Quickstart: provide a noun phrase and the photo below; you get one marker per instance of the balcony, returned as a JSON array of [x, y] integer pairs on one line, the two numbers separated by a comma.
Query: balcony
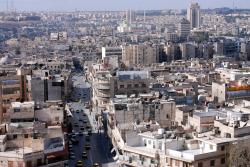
[[102, 86], [103, 95], [136, 163], [53, 164]]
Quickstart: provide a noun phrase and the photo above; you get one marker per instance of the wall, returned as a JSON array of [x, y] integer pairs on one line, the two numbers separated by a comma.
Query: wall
[[219, 92]]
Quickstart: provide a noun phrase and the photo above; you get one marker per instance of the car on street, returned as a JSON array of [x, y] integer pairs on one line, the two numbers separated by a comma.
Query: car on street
[[89, 132], [74, 140], [72, 156], [76, 124], [84, 155], [96, 165], [87, 137], [79, 163], [82, 128], [88, 127], [87, 146]]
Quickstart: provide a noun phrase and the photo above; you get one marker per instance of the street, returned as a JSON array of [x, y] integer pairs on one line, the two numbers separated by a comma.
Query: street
[[83, 124]]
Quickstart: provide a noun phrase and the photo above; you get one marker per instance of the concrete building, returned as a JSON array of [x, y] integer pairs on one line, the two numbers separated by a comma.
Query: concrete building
[[194, 15], [47, 88], [233, 91], [202, 121], [127, 83], [130, 82], [130, 16], [125, 110], [172, 36], [139, 54], [112, 52], [173, 52], [227, 47], [245, 51], [34, 137], [184, 29], [12, 89], [101, 88], [187, 50]]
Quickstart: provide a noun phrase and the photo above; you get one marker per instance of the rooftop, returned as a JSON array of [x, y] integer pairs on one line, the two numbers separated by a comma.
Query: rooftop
[[27, 104], [18, 152]]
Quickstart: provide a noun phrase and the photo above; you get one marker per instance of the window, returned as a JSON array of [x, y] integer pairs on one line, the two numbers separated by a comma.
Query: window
[[222, 148], [121, 86], [222, 160], [129, 85], [149, 141], [200, 164], [136, 85], [20, 164], [39, 162], [29, 163], [160, 145], [177, 163], [211, 147], [212, 163], [26, 135], [57, 119], [14, 136], [10, 163], [16, 109]]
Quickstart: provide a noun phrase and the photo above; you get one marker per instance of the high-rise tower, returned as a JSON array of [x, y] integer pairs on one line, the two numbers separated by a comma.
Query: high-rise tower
[[193, 15], [130, 16]]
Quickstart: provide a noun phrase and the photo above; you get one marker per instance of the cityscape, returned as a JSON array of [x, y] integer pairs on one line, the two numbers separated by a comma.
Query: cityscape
[[125, 88]]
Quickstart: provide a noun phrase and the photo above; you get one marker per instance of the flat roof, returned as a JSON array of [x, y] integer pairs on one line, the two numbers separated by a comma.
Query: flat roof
[[24, 104], [17, 152]]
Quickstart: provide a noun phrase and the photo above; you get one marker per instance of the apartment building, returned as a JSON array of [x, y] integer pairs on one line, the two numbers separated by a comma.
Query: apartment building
[[12, 89], [235, 90], [139, 54], [33, 137]]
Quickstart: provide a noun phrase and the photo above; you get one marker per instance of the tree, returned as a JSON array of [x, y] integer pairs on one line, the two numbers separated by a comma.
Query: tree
[[239, 154]]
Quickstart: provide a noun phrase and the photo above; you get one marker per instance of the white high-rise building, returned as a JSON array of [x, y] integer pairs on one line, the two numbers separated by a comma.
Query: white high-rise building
[[193, 15]]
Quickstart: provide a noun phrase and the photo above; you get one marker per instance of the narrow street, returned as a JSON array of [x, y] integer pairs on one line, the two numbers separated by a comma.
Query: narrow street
[[83, 124]]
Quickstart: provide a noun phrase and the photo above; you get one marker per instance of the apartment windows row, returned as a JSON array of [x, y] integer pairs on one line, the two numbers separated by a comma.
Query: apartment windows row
[[212, 163], [132, 86], [27, 164]]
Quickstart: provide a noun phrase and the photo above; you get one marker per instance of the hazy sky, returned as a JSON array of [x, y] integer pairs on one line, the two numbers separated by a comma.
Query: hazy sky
[[34, 5]]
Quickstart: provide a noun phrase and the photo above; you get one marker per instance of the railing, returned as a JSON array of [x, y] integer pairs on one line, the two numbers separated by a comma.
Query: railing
[[51, 150], [103, 95], [55, 164], [138, 163], [102, 86]]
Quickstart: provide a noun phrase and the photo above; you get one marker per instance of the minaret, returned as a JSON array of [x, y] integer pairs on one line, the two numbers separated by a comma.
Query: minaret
[[7, 6]]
